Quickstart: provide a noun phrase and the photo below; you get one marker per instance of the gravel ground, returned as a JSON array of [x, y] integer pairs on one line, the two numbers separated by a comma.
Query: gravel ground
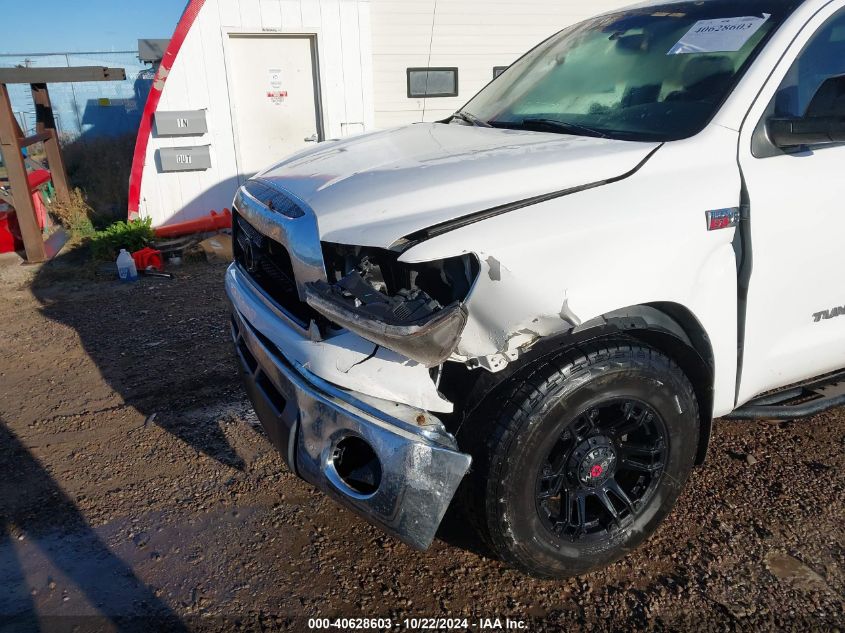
[[138, 491]]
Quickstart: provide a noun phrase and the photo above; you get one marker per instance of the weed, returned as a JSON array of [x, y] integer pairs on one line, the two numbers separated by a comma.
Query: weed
[[133, 236], [75, 215]]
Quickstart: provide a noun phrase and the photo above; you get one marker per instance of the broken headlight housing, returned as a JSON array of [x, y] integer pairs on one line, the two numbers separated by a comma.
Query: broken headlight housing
[[416, 310]]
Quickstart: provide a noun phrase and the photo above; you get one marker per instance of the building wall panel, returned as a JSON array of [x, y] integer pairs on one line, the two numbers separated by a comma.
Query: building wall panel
[[473, 35], [199, 81]]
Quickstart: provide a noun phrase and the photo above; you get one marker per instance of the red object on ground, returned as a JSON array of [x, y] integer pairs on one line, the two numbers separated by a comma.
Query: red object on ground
[[212, 222], [36, 179], [40, 209], [148, 258], [10, 239], [10, 231]]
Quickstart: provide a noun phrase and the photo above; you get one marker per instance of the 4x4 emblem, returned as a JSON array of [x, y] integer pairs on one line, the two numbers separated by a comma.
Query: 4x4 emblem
[[722, 218]]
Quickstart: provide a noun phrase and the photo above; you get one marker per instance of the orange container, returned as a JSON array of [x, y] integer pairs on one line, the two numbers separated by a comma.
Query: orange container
[[148, 258]]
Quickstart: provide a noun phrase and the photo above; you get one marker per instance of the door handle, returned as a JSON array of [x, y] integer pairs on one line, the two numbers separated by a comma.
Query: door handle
[[312, 139]]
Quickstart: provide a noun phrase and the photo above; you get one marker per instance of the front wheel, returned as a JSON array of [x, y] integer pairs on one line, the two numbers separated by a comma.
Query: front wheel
[[584, 456]]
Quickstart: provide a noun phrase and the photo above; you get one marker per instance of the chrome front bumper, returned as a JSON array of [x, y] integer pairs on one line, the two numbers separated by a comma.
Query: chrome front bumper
[[306, 418]]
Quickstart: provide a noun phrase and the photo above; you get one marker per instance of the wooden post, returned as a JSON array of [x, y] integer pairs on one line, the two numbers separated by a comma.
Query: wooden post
[[19, 181], [46, 124]]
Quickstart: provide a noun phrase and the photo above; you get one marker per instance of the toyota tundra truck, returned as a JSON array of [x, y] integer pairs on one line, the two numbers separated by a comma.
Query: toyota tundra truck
[[532, 311]]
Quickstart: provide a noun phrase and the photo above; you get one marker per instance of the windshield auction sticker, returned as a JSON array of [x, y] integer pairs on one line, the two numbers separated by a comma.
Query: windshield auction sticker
[[718, 36]]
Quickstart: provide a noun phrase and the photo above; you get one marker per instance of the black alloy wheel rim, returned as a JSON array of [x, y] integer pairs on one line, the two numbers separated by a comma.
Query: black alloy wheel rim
[[602, 471]]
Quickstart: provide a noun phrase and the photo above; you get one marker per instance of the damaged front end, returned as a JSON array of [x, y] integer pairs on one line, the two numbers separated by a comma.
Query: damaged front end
[[334, 345], [416, 310]]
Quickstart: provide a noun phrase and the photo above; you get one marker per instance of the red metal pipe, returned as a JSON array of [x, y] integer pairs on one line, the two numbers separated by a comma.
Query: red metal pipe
[[212, 222]]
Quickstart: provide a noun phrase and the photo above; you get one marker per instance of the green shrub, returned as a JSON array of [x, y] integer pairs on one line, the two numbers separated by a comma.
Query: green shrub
[[133, 236]]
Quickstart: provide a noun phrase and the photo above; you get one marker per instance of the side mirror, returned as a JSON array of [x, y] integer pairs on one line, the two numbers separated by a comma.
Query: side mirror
[[823, 122]]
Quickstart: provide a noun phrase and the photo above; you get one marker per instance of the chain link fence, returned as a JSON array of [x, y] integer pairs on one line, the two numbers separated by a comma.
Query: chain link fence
[[90, 109]]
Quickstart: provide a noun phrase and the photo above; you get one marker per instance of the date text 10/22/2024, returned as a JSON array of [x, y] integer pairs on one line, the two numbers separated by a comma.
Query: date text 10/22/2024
[[417, 624]]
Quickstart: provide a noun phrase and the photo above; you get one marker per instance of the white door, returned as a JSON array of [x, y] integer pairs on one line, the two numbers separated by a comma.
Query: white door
[[273, 83], [792, 330]]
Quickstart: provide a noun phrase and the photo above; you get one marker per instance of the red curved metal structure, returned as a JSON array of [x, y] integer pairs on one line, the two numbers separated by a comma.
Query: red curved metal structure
[[144, 131]]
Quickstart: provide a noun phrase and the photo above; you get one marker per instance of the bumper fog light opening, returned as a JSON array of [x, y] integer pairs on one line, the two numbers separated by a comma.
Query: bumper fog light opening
[[356, 465]]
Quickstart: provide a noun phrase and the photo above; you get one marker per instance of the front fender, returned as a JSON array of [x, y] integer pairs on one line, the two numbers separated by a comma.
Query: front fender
[[549, 267]]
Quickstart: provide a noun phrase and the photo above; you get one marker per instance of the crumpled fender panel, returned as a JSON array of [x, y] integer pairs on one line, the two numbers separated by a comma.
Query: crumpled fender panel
[[547, 267]]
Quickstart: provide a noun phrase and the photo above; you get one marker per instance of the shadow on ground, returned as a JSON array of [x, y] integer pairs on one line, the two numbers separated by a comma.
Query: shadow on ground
[[154, 348], [32, 501]]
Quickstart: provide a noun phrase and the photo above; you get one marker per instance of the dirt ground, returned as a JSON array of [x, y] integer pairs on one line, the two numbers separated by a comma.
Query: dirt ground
[[137, 492]]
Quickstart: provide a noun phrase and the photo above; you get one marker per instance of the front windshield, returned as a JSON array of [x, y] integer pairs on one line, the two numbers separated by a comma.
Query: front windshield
[[650, 73]]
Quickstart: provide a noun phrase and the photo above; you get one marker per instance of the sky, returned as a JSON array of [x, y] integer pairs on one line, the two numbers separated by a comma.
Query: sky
[[59, 26]]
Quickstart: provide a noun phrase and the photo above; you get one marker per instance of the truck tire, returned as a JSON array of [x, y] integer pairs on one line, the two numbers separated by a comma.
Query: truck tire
[[578, 458]]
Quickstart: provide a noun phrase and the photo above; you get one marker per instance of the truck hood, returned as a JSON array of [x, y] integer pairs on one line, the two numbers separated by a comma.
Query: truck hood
[[373, 190]]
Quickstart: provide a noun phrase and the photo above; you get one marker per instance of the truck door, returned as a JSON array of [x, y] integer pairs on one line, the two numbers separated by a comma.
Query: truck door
[[795, 321]]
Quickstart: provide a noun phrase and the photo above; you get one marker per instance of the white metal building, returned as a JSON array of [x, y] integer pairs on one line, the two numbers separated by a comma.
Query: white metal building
[[246, 82]]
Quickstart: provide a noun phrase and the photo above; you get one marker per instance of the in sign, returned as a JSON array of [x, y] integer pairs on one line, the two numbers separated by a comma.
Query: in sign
[[181, 123]]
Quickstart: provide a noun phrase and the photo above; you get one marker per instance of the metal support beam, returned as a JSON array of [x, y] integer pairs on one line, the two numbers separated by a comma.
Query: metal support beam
[[19, 181], [60, 75]]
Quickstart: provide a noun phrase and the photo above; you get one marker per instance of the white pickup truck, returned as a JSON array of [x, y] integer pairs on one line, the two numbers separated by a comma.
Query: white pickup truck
[[546, 299]]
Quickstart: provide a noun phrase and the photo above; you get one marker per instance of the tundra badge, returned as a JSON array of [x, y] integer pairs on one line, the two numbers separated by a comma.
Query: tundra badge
[[829, 314]]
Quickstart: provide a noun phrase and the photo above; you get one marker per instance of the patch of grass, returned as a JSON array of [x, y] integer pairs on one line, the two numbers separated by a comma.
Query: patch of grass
[[133, 236]]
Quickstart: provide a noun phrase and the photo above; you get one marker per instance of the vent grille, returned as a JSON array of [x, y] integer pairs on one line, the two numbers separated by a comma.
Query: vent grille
[[274, 199], [269, 265]]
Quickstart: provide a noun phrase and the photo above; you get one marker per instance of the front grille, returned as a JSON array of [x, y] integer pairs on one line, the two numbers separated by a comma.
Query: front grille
[[269, 265]]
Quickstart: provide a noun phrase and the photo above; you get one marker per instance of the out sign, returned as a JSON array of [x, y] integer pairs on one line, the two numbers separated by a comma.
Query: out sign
[[184, 158], [181, 123]]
